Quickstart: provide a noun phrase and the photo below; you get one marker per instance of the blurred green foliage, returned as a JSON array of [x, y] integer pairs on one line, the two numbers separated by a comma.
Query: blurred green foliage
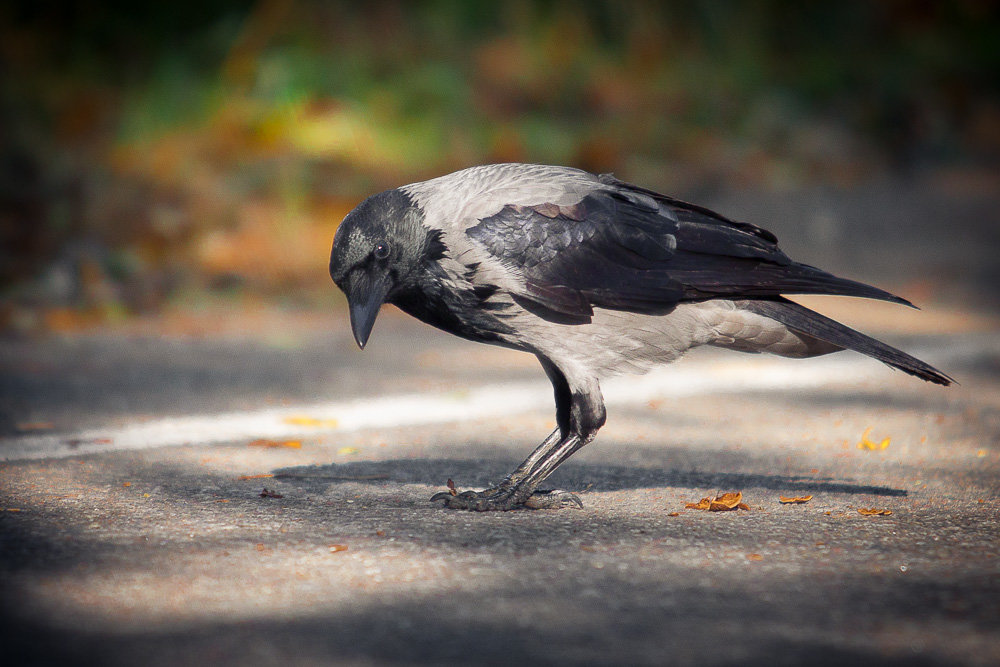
[[151, 146]]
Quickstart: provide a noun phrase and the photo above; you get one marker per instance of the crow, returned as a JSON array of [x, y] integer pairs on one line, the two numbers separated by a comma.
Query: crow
[[592, 275]]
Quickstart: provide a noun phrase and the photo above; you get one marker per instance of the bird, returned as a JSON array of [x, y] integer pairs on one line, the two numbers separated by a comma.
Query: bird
[[594, 276]]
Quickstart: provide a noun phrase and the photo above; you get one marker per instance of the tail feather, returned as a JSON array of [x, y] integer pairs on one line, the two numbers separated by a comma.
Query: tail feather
[[801, 319]]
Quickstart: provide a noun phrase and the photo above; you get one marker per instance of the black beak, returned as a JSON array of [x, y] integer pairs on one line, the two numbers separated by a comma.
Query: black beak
[[365, 298]]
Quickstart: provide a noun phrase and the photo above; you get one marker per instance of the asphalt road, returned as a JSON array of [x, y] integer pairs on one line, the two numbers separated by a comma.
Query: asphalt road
[[133, 529]]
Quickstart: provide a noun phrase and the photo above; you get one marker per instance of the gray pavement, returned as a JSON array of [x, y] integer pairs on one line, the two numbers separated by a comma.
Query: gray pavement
[[171, 556]]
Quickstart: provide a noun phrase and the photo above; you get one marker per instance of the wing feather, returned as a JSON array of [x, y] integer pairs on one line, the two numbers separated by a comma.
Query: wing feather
[[627, 248]]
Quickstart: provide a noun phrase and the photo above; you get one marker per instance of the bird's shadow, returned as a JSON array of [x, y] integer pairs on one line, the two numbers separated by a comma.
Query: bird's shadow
[[572, 476]]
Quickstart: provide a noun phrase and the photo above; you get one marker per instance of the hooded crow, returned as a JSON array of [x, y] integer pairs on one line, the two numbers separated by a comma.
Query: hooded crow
[[592, 275]]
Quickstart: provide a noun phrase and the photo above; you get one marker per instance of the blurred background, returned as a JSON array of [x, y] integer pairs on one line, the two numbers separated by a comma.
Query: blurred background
[[165, 156]]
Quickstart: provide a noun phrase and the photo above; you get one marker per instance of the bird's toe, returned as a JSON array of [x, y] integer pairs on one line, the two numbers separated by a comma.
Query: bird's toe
[[497, 500], [553, 499]]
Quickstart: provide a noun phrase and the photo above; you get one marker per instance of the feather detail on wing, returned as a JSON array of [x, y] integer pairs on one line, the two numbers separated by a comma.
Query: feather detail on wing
[[631, 249]]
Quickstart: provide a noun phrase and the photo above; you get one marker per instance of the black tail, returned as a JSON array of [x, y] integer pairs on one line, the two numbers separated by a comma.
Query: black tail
[[801, 319]]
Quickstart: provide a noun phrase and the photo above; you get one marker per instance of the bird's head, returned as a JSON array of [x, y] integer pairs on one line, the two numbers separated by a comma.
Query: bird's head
[[377, 251]]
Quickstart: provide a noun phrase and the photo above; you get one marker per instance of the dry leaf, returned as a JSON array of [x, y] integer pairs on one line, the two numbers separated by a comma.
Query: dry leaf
[[266, 493], [348, 450], [674, 514], [260, 476], [754, 557], [451, 487], [334, 548], [301, 420], [868, 444], [871, 511], [34, 426], [702, 504], [797, 500], [264, 442], [723, 503], [726, 502]]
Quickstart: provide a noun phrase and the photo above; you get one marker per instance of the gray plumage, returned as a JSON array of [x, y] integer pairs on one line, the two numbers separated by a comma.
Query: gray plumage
[[594, 276]]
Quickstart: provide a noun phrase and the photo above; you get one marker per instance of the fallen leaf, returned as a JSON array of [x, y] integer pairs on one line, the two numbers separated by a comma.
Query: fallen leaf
[[76, 442], [302, 420], [126, 484], [754, 557], [797, 500], [260, 476], [723, 503], [871, 511], [264, 442], [726, 502], [451, 487], [334, 548], [870, 445], [34, 426], [380, 533], [348, 450], [266, 493], [674, 514], [702, 504]]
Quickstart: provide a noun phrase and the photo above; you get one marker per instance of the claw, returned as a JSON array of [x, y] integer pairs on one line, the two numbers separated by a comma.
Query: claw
[[553, 499], [503, 500]]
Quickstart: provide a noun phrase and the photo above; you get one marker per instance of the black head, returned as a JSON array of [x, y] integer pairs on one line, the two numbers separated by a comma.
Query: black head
[[377, 251]]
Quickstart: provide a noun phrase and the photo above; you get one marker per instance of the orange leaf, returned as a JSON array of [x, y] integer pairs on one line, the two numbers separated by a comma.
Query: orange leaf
[[300, 420], [260, 476], [723, 503], [726, 502], [797, 500], [702, 504], [334, 548], [264, 442], [868, 444], [871, 511]]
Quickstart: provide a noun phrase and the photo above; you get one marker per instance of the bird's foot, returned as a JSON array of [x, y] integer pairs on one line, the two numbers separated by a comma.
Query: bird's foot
[[501, 499]]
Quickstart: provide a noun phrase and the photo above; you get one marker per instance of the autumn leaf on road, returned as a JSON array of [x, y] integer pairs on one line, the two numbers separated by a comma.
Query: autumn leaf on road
[[798, 500], [869, 444], [301, 420], [723, 503], [871, 511], [264, 442]]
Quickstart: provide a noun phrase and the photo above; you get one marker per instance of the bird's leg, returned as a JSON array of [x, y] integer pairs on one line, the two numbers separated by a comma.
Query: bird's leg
[[579, 415]]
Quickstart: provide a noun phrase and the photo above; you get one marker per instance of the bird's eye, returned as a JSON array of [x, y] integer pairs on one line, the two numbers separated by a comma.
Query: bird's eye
[[381, 250]]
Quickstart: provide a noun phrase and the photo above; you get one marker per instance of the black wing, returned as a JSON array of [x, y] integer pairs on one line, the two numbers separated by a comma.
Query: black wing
[[627, 248]]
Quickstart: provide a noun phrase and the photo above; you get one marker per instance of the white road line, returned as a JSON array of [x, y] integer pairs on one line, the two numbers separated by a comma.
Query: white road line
[[687, 378]]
